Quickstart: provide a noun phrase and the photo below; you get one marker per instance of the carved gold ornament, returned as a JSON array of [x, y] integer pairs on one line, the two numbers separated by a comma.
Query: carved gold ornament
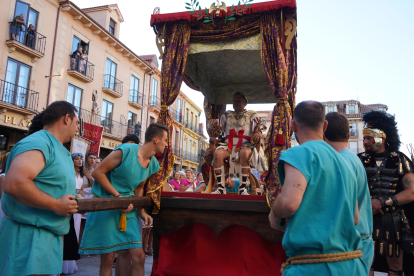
[[290, 29], [217, 7], [160, 40]]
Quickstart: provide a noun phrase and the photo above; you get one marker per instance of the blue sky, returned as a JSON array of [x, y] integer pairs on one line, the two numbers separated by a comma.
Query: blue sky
[[346, 50]]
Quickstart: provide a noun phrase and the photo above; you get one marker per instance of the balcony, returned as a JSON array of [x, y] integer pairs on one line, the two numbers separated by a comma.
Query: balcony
[[191, 126], [136, 99], [88, 117], [81, 69], [190, 156], [353, 132], [18, 99], [154, 102], [176, 115], [113, 129], [177, 151], [31, 43], [112, 86]]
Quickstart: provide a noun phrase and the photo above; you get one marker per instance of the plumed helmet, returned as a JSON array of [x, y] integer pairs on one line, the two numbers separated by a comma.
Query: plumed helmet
[[380, 120]]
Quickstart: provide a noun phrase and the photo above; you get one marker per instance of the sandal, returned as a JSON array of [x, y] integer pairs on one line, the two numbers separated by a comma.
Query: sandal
[[148, 253]]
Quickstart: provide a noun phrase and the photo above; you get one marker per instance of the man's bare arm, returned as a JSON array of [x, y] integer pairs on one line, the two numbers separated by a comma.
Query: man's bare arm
[[139, 191], [407, 195], [290, 198], [112, 161], [356, 218], [20, 186]]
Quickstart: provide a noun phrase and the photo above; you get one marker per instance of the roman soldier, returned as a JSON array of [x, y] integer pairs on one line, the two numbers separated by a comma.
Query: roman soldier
[[391, 185], [241, 145]]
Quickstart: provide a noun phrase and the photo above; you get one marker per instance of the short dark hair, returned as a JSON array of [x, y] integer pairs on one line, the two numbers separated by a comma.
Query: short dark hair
[[90, 153], [51, 115], [241, 94], [155, 130], [338, 127], [309, 115], [131, 138]]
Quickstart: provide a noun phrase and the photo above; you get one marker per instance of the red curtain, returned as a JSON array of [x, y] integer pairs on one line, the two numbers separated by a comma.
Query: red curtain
[[195, 250]]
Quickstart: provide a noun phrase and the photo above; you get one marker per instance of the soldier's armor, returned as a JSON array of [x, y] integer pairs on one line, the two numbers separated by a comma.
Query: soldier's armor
[[385, 181]]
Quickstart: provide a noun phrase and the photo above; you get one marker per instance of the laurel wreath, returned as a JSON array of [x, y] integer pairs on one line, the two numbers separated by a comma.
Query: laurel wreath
[[195, 9]]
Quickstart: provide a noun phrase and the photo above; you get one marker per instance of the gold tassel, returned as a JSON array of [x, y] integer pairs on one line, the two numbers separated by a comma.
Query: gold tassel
[[122, 222]]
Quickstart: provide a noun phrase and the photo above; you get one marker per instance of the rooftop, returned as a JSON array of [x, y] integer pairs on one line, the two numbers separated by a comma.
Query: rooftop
[[341, 105]]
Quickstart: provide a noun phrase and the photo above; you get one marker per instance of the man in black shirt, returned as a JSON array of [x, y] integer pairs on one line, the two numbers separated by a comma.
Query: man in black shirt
[[75, 57], [16, 26]]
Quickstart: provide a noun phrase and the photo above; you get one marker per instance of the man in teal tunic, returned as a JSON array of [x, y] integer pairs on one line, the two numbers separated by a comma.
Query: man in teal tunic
[[319, 196], [337, 135], [123, 173], [38, 195]]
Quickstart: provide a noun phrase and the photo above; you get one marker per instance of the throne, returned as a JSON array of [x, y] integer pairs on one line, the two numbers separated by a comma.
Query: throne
[[232, 165]]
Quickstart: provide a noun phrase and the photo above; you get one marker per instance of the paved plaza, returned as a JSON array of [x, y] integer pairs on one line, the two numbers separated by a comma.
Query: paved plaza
[[90, 266]]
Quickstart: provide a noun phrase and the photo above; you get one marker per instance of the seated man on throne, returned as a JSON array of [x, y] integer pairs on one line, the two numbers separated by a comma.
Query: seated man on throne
[[241, 147]]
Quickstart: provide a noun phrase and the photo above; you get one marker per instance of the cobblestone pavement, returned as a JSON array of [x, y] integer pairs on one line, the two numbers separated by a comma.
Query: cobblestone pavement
[[90, 266]]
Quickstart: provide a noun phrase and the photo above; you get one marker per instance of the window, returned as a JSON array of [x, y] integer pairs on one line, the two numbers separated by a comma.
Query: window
[[154, 92], [16, 84], [353, 130], [152, 120], [352, 108], [78, 43], [112, 27], [106, 115], [177, 138], [30, 17], [133, 95], [110, 73], [178, 109], [330, 109], [353, 146], [132, 121], [74, 95]]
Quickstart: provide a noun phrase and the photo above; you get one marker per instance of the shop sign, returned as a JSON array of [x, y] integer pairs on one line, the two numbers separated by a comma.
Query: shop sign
[[109, 144], [16, 121]]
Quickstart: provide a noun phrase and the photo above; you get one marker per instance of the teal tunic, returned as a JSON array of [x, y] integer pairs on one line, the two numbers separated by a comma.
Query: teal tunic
[[102, 234], [324, 221], [365, 224], [31, 238]]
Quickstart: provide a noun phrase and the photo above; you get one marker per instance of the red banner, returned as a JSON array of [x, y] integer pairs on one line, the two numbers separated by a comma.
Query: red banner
[[93, 133]]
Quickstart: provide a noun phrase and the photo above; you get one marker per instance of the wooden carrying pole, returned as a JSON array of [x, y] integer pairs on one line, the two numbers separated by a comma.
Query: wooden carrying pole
[[111, 203]]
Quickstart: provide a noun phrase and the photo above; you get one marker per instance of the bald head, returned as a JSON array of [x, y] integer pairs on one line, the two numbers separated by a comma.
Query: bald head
[[309, 115]]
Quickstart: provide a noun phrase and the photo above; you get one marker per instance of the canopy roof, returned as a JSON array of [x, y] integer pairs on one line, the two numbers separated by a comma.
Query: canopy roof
[[222, 68], [254, 8]]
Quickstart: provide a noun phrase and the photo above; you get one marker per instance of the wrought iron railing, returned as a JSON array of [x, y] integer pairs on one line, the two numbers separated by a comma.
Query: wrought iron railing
[[112, 127], [154, 101], [88, 117], [110, 82], [353, 132], [29, 38], [18, 96], [136, 97], [177, 151], [177, 115], [191, 126], [190, 156], [83, 66]]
